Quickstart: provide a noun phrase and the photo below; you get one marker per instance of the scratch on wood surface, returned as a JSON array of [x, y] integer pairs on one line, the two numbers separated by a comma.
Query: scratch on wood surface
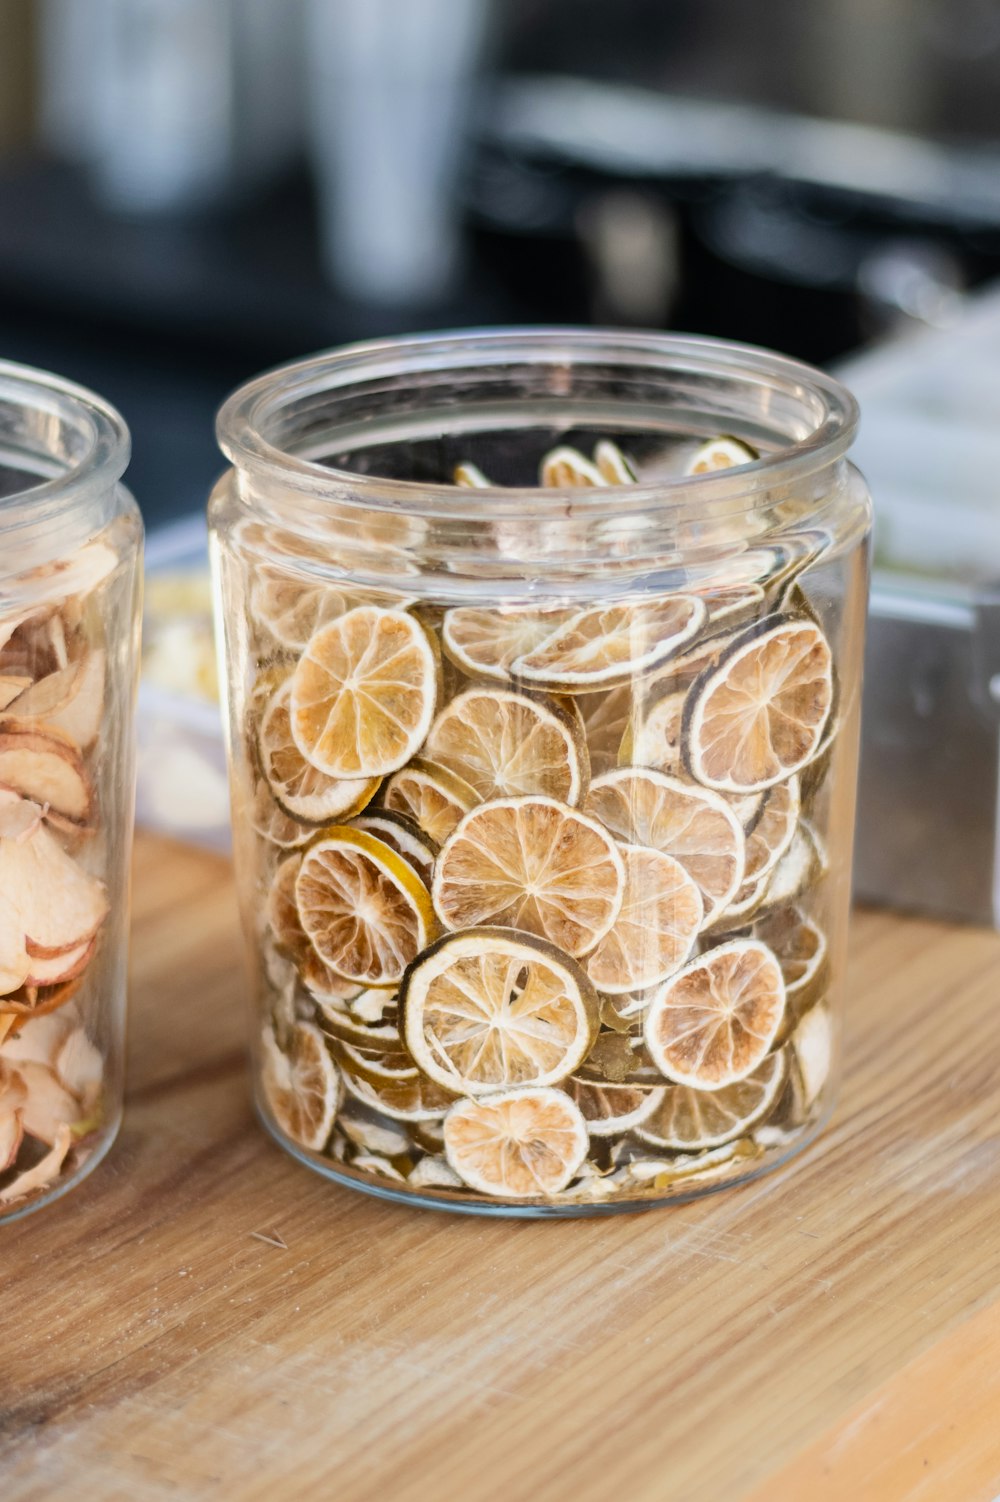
[[271, 1238]]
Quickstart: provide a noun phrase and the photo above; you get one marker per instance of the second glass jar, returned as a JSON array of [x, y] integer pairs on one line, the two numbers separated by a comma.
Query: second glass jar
[[543, 657]]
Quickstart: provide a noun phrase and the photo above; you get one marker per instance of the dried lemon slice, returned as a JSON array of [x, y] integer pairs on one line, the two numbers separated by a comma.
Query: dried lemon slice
[[293, 610], [773, 828], [363, 693], [402, 834], [759, 714], [695, 826], [487, 1009], [655, 930], [300, 788], [363, 908], [505, 744], [432, 796], [609, 1109], [609, 644], [686, 1120], [720, 453], [301, 1085], [488, 642], [532, 864], [713, 1022], [522, 1144]]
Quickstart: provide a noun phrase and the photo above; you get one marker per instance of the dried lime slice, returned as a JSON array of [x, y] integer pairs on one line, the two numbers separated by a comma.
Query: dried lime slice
[[611, 1109], [520, 1144], [687, 1120], [612, 643], [402, 834], [301, 1085], [613, 465], [773, 829], [565, 468], [655, 930], [487, 641], [435, 798], [720, 453], [506, 744], [301, 789]]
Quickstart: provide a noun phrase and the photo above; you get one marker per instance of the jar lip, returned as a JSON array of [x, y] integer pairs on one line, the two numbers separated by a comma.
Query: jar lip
[[242, 419], [105, 441]]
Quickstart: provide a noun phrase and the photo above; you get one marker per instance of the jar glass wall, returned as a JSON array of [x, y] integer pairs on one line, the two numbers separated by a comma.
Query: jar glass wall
[[543, 720], [69, 624]]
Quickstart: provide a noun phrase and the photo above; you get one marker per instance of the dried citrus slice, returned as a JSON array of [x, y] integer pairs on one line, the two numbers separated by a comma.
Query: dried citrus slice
[[402, 834], [606, 720], [565, 467], [488, 641], [363, 693], [713, 1022], [521, 1144], [432, 796], [532, 864], [812, 1046], [416, 1099], [695, 826], [655, 930], [363, 908], [747, 902], [281, 908], [613, 465], [803, 864], [773, 828], [470, 477], [301, 788], [687, 1120], [759, 714], [800, 945], [720, 453], [654, 735], [505, 744], [611, 643], [293, 610], [486, 1010], [271, 822], [301, 1085], [609, 1109]]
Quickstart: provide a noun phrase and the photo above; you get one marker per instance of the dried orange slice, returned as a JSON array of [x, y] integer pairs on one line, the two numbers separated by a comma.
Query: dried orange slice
[[695, 826], [655, 930], [612, 643], [363, 693], [773, 828], [402, 834], [432, 796], [506, 745], [363, 908], [760, 713], [293, 610], [301, 1085], [488, 641], [532, 864], [486, 1010], [301, 788], [713, 1022], [609, 1109], [687, 1120], [720, 453], [521, 1144]]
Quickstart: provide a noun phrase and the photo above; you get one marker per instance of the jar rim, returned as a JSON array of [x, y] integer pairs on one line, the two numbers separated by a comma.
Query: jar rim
[[244, 418], [102, 433]]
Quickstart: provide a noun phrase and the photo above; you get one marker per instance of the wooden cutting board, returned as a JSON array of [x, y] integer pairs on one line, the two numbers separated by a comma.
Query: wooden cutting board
[[206, 1319]]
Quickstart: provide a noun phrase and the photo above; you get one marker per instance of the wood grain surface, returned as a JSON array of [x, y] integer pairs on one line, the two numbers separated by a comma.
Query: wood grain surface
[[204, 1318]]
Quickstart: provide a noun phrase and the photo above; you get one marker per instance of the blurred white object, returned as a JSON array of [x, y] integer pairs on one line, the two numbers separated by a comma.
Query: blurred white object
[[389, 92], [176, 103]]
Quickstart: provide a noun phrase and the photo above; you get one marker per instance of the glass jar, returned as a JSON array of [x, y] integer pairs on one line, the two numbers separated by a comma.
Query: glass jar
[[69, 635], [543, 792]]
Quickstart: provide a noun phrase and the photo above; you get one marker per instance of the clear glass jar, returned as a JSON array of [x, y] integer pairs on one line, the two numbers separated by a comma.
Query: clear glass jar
[[70, 586], [543, 796]]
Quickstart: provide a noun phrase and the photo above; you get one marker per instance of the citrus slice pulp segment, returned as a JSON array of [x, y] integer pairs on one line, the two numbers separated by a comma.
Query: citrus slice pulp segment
[[521, 1144], [686, 1120], [533, 864], [300, 788], [362, 907], [606, 644], [487, 1009], [759, 714], [402, 834], [301, 1085], [488, 641], [363, 693], [505, 744], [655, 930], [713, 1022], [695, 826], [609, 1109], [720, 453], [564, 468], [773, 829], [292, 609], [432, 796]]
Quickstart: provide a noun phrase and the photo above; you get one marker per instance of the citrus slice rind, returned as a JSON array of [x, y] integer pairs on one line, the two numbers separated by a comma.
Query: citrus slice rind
[[688, 1120], [655, 930], [773, 828], [301, 1085], [608, 644], [298, 787], [532, 864], [363, 693], [610, 1109], [505, 744], [363, 908], [759, 713], [402, 834], [713, 1022], [488, 1009], [435, 798], [693, 825], [565, 468], [801, 947], [613, 465], [520, 1144]]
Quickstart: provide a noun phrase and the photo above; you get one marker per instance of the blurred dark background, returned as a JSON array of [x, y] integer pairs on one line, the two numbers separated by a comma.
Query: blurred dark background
[[192, 190]]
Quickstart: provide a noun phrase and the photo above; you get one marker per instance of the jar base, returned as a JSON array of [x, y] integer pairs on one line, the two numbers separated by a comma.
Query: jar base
[[63, 1186]]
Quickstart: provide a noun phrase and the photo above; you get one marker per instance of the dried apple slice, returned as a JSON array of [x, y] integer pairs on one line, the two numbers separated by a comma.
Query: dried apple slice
[[49, 1105], [11, 685], [43, 1173], [15, 962], [70, 701], [47, 769], [54, 970], [13, 1094], [59, 904]]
